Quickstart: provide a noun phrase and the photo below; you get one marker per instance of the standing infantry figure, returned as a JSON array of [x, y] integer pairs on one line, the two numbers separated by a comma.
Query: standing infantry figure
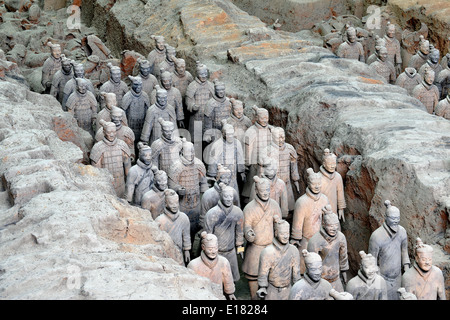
[[167, 64], [258, 230], [286, 157], [122, 132], [217, 109], [187, 176], [423, 279], [113, 154], [227, 151], [226, 221], [114, 84], [60, 79], [158, 54], [331, 245], [384, 67], [181, 78], [166, 150], [379, 43], [213, 266], [393, 48], [389, 245], [153, 200], [176, 224], [367, 284], [105, 113], [140, 177], [160, 109], [443, 108], [51, 66], [211, 196], [432, 63], [421, 56], [198, 94], [409, 79], [83, 106], [279, 265], [427, 92], [149, 81], [71, 85], [173, 96], [351, 48], [135, 103], [444, 79], [332, 184], [238, 120], [307, 218]]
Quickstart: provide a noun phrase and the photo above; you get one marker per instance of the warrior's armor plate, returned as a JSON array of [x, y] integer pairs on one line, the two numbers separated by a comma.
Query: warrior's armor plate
[[182, 82], [174, 99], [105, 114], [409, 79], [71, 87], [120, 89], [123, 133], [152, 130], [166, 153], [428, 95]]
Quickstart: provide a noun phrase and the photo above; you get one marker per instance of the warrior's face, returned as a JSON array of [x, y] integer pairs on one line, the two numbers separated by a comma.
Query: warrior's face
[[315, 185], [393, 219], [189, 153], [161, 182], [263, 191], [56, 52], [160, 44], [281, 138], [65, 65], [146, 156], [137, 86], [166, 83], [424, 260], [382, 54], [429, 78], [211, 249], [263, 119], [116, 119], [425, 47], [225, 178], [115, 76], [229, 134], [180, 68], [270, 171], [161, 99], [110, 101], [390, 31], [227, 197], [172, 204], [282, 233], [203, 75], [434, 56], [220, 91], [110, 133], [330, 164], [370, 269], [314, 270], [331, 228], [238, 110], [167, 133], [351, 36], [79, 72], [81, 87]]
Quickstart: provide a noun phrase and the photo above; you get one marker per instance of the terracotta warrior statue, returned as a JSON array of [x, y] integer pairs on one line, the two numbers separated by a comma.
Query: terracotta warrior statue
[[278, 191], [238, 120], [367, 284], [122, 131], [140, 177], [213, 266], [227, 151], [181, 78], [409, 79], [135, 103], [257, 138], [351, 48], [427, 92], [279, 265], [379, 42], [258, 230], [389, 245], [331, 245], [149, 81], [173, 96], [151, 130], [113, 154], [71, 85], [217, 109], [443, 108], [226, 221], [423, 279], [332, 184], [421, 56], [211, 197], [187, 176], [286, 157], [197, 96], [153, 200], [167, 64], [83, 106], [383, 67], [166, 150], [158, 54], [105, 113], [307, 217], [51, 66], [393, 48], [176, 224], [433, 64], [60, 78], [444, 79], [115, 84]]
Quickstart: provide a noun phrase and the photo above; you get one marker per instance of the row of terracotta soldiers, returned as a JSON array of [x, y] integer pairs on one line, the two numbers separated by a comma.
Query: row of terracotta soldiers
[[425, 78]]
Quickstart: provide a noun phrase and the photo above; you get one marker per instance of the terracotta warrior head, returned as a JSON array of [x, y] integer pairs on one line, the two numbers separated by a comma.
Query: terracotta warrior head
[[161, 96], [330, 221], [65, 64], [166, 79], [351, 34], [270, 167], [313, 263], [110, 99], [314, 181], [160, 179], [227, 131], [281, 229], [210, 245], [81, 85], [114, 73], [170, 52], [144, 67], [55, 49], [188, 151], [382, 53], [172, 200], [278, 136], [202, 72], [116, 116], [78, 69], [145, 153], [159, 42], [226, 194], [429, 75], [368, 266], [390, 30], [262, 116], [424, 45], [237, 108], [167, 128], [180, 66], [109, 130], [136, 84], [392, 216], [262, 188], [329, 161], [434, 56], [219, 88], [423, 254], [223, 175]]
